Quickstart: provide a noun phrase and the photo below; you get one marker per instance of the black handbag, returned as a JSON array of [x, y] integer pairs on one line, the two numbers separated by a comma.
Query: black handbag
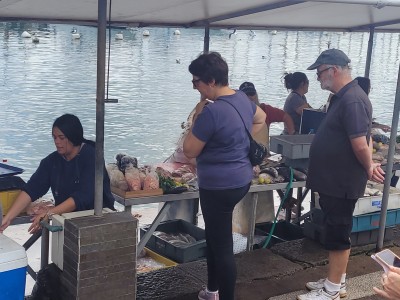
[[257, 151]]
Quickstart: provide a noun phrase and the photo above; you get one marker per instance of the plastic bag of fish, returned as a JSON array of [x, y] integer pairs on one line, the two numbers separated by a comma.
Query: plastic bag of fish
[[126, 176]]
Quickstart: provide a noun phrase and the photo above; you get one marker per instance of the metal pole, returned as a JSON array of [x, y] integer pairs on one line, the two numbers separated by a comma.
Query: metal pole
[[206, 47], [369, 52], [376, 3], [100, 94], [44, 255], [389, 166]]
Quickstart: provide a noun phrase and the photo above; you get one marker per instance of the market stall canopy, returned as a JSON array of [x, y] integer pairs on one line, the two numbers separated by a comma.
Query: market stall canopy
[[356, 15]]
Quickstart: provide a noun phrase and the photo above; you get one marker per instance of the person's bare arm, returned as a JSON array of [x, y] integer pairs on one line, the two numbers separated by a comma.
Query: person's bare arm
[[258, 120], [299, 110], [289, 125], [64, 207], [192, 146], [22, 201], [363, 152]]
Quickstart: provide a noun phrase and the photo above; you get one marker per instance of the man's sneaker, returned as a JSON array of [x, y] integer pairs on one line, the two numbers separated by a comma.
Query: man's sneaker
[[317, 285], [206, 295], [318, 295]]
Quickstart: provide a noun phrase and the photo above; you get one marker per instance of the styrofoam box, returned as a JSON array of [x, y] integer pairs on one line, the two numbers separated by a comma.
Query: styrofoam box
[[13, 262], [370, 204], [57, 242]]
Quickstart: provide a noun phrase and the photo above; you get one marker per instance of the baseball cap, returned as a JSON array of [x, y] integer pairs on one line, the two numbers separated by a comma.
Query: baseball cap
[[248, 88], [331, 57]]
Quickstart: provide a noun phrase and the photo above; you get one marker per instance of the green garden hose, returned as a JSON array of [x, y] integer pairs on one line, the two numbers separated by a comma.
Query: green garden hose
[[288, 188]]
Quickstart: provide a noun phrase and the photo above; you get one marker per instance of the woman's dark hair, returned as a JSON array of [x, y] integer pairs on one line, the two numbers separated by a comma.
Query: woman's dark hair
[[71, 127], [364, 83], [210, 66], [294, 80]]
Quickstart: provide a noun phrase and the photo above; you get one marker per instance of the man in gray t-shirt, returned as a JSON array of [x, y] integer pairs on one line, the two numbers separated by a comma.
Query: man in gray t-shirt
[[340, 164]]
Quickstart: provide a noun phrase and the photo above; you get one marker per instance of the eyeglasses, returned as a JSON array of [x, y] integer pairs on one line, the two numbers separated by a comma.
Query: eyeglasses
[[322, 71], [195, 81]]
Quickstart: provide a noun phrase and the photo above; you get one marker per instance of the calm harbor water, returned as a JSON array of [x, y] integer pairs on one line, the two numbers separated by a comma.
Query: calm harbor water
[[149, 76]]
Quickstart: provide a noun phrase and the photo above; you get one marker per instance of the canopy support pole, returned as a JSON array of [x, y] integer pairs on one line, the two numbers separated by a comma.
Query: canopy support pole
[[100, 95], [389, 166], [206, 47], [369, 52]]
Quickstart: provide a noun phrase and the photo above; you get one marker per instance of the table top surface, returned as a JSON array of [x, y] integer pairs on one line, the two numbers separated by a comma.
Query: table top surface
[[194, 195]]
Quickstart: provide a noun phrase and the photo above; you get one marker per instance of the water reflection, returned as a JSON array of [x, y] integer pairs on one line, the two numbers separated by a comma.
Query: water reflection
[[41, 81]]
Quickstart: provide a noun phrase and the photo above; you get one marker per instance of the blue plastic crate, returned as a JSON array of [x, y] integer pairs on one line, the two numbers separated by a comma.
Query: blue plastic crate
[[371, 221]]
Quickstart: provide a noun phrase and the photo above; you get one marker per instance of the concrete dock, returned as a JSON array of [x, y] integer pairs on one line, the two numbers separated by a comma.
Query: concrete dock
[[278, 273]]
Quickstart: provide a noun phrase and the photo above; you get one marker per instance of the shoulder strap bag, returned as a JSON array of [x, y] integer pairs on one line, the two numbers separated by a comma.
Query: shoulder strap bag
[[257, 151]]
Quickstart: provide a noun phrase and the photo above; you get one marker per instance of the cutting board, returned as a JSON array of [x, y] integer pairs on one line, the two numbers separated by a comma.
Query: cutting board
[[136, 194]]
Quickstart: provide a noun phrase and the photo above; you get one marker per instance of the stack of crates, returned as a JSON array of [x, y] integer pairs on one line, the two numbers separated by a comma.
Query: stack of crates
[[366, 219], [367, 213], [10, 187]]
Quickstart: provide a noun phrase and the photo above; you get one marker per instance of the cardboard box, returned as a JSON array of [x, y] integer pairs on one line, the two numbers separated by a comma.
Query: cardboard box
[[13, 262], [183, 254]]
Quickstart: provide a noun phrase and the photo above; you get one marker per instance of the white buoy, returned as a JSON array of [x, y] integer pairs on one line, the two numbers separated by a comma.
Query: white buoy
[[119, 36], [177, 32], [26, 35], [35, 40], [146, 33], [274, 32], [75, 35]]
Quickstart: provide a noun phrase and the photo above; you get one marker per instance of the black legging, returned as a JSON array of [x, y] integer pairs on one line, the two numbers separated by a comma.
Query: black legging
[[217, 207]]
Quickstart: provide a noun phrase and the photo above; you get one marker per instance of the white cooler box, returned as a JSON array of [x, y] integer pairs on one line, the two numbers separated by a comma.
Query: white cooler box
[[13, 262], [57, 242], [371, 204]]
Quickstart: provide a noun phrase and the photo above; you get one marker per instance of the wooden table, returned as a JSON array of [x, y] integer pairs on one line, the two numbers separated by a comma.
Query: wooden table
[[168, 198]]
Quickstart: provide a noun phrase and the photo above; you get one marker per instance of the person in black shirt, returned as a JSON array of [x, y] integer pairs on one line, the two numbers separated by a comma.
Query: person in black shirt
[[339, 167], [69, 172]]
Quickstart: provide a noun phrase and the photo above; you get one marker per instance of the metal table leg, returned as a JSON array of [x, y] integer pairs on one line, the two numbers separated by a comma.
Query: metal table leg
[[252, 222], [145, 238], [44, 256], [128, 208]]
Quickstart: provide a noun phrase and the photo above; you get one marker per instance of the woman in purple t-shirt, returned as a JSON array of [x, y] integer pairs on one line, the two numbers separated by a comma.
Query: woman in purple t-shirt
[[219, 142]]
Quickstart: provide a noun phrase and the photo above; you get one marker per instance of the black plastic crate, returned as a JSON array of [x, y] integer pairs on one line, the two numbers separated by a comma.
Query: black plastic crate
[[11, 183], [283, 232], [183, 254]]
